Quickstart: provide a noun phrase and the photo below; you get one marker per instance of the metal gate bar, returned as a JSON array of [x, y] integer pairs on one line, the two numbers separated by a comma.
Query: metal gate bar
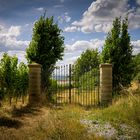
[[68, 88]]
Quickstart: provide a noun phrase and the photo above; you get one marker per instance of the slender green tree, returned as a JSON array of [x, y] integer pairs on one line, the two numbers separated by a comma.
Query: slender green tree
[[118, 51], [13, 77], [46, 47], [87, 61], [21, 81], [9, 69]]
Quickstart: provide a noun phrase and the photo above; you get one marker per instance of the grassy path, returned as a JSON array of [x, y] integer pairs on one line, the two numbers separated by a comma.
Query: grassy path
[[119, 121], [44, 124]]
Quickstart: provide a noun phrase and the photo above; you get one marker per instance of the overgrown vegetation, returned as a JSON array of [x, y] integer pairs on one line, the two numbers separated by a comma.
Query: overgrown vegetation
[[85, 70], [89, 80], [87, 61], [118, 51], [123, 112], [46, 47], [136, 61], [45, 123], [13, 78], [66, 123]]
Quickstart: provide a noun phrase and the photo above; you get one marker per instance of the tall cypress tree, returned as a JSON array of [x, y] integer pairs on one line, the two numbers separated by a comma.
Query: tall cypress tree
[[118, 51]]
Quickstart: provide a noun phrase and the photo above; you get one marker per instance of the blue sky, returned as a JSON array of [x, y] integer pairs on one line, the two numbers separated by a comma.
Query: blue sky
[[85, 23]]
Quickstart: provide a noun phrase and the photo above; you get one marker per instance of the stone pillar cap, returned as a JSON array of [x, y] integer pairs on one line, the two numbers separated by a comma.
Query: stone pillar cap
[[105, 65], [34, 65]]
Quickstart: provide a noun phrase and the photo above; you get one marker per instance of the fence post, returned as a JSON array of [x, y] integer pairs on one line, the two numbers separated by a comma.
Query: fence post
[[34, 84], [70, 83], [106, 84]]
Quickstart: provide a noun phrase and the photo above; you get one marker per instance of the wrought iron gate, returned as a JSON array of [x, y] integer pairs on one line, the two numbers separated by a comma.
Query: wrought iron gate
[[69, 86]]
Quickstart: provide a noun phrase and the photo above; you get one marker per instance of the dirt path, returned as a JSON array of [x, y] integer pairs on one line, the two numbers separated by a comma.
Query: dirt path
[[21, 122], [32, 120]]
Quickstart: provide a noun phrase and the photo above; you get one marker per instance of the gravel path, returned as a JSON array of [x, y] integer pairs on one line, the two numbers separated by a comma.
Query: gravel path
[[107, 131]]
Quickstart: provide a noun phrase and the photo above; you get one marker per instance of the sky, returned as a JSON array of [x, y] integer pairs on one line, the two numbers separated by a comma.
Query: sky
[[85, 23]]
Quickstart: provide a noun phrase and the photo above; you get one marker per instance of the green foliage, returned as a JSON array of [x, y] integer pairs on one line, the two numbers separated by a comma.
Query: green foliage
[[89, 80], [136, 62], [86, 62], [52, 89], [22, 80], [46, 47], [125, 110], [118, 51], [13, 78], [8, 69], [63, 123], [53, 84]]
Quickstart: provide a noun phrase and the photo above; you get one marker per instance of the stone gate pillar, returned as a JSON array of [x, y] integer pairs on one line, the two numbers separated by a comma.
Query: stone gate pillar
[[34, 84], [106, 84]]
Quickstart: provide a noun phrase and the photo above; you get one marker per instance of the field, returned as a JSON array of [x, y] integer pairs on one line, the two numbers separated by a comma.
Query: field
[[121, 120], [55, 123], [76, 96]]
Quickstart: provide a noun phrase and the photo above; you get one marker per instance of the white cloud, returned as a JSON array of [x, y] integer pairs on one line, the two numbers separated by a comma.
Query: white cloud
[[136, 45], [9, 41], [102, 27], [82, 45], [73, 51], [58, 6], [27, 25], [1, 28], [138, 1], [67, 60], [64, 18], [99, 16], [61, 1], [19, 54], [40, 9], [71, 29], [14, 31], [67, 18]]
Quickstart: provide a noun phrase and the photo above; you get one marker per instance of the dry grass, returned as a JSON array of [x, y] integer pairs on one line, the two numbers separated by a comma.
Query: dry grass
[[83, 97], [15, 101], [124, 110], [63, 123], [44, 123]]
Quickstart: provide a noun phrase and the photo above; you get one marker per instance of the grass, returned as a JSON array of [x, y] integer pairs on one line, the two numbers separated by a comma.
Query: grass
[[9, 122], [48, 124], [15, 101], [126, 110], [82, 97], [65, 125], [64, 122]]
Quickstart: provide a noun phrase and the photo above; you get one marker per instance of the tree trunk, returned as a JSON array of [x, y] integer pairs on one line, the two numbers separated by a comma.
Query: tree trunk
[[16, 99], [22, 99], [10, 101]]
